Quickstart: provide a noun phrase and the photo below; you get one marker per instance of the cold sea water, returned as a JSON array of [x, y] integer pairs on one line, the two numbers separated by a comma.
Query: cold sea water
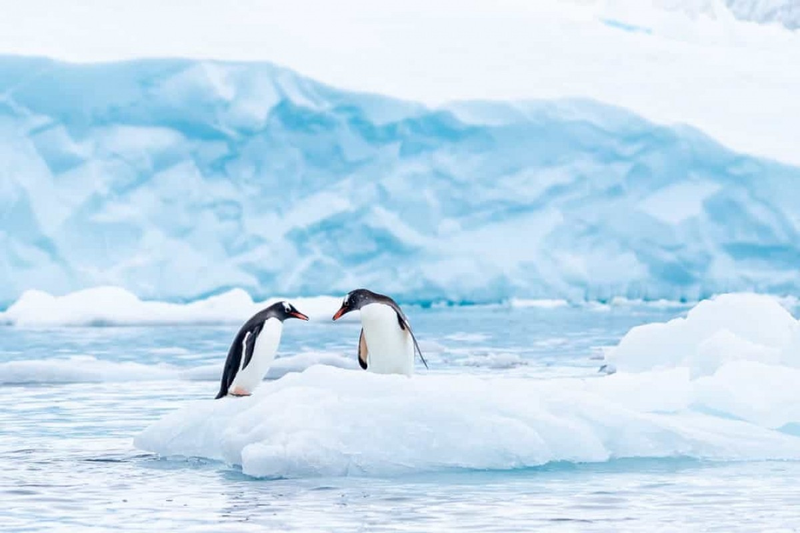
[[75, 398]]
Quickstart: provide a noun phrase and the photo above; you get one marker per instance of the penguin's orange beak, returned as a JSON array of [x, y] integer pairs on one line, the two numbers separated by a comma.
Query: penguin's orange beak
[[340, 313], [298, 314]]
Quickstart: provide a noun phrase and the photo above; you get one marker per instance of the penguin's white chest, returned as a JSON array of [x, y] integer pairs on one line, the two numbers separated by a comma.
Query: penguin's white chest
[[390, 349], [263, 354]]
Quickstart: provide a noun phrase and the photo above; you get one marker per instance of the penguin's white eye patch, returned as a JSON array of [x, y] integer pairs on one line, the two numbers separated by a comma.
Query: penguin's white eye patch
[[346, 300], [286, 306]]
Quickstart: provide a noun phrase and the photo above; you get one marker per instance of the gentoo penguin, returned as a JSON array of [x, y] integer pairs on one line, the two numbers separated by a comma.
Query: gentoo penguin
[[258, 339], [386, 344]]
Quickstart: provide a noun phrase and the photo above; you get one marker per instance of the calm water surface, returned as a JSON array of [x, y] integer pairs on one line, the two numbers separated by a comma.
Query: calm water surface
[[67, 461]]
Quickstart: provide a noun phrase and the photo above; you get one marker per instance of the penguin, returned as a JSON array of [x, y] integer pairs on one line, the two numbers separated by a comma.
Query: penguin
[[386, 344], [258, 339]]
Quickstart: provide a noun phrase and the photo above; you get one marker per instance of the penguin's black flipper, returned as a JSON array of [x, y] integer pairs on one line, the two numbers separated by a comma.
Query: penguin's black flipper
[[250, 344], [404, 325], [232, 364], [362, 350]]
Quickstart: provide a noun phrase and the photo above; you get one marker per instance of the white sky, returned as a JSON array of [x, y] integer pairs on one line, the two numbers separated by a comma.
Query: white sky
[[737, 81]]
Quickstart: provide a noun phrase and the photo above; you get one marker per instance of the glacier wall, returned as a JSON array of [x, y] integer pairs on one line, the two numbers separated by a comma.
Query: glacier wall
[[785, 12], [176, 179]]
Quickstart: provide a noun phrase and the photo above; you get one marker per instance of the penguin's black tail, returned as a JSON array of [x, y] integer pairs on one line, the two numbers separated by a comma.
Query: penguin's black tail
[[223, 386], [232, 363]]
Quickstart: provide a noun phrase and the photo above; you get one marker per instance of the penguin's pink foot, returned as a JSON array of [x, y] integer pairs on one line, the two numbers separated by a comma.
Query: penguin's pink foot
[[238, 391]]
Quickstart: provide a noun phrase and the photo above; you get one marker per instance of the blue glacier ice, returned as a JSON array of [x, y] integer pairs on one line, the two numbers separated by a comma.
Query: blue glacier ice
[[785, 12], [177, 179]]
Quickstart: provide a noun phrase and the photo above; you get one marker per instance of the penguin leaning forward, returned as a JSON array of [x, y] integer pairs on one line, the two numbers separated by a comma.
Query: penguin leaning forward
[[258, 339], [386, 344]]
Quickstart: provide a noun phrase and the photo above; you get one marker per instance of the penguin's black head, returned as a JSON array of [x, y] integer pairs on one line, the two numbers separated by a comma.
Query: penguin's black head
[[354, 301], [284, 310]]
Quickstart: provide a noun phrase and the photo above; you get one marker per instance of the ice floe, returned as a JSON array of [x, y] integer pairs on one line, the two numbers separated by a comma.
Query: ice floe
[[720, 384]]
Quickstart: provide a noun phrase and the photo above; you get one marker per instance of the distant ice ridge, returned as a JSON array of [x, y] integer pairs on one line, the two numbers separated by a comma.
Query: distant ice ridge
[[180, 179], [114, 306], [332, 422]]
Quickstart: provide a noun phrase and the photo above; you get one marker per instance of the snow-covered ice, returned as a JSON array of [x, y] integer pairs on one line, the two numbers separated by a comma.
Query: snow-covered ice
[[179, 179], [331, 422], [114, 306], [725, 329]]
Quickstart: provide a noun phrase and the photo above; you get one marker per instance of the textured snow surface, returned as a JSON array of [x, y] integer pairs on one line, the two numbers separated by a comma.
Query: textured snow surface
[[331, 422], [177, 179]]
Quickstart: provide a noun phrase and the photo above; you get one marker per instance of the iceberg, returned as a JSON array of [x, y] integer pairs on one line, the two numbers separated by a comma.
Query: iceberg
[[327, 421], [182, 179]]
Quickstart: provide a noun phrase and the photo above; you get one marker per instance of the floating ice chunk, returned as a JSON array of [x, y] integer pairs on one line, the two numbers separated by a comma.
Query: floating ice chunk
[[333, 422], [496, 360], [720, 384], [468, 337], [429, 346], [730, 327], [541, 304], [88, 369], [81, 369]]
